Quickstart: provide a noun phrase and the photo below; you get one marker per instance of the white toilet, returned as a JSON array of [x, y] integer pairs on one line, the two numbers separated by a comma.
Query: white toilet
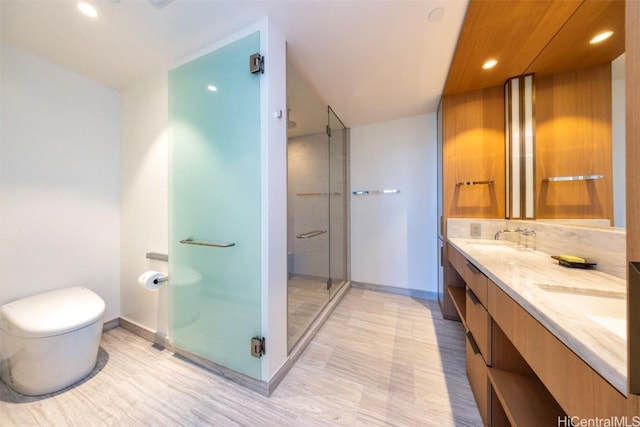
[[50, 341]]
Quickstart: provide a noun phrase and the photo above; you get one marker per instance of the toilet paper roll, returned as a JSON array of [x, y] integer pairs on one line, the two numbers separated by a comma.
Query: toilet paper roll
[[151, 280]]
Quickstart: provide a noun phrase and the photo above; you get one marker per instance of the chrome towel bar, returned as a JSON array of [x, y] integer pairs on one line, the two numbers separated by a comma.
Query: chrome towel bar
[[572, 178], [366, 192], [317, 194], [211, 244], [465, 183], [310, 234]]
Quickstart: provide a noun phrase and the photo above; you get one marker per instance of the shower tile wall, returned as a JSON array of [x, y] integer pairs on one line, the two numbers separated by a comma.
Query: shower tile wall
[[308, 173]]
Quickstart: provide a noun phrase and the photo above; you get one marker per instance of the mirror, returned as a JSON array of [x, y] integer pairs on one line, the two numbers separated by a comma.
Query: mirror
[[580, 151], [578, 157], [616, 180], [618, 138], [579, 120]]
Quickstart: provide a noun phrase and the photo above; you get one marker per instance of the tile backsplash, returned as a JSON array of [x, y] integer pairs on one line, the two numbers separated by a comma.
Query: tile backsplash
[[605, 246]]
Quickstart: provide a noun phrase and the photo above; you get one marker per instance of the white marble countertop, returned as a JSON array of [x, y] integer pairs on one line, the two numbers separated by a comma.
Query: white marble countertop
[[539, 284]]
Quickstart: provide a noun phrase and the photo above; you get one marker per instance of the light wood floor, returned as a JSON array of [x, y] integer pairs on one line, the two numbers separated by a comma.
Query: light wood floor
[[380, 359]]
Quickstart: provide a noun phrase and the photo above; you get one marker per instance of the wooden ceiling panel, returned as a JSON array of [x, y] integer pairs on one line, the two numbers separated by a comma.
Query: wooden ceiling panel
[[570, 48], [513, 32], [542, 37]]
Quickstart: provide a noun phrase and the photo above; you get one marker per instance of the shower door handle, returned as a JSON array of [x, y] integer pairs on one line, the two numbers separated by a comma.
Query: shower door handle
[[310, 234], [203, 243]]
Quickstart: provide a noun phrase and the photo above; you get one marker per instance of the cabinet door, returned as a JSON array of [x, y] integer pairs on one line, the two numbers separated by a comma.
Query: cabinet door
[[479, 324], [479, 381]]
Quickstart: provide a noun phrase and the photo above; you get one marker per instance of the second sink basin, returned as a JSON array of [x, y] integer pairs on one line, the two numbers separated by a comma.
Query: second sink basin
[[607, 309]]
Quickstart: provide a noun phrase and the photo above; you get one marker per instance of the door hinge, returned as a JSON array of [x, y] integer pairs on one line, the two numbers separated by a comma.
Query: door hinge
[[329, 283], [329, 131], [256, 63], [258, 347]]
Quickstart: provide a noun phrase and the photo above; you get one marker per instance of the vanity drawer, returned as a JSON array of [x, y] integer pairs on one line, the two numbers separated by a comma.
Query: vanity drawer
[[479, 324], [478, 283], [479, 382], [458, 261], [470, 274]]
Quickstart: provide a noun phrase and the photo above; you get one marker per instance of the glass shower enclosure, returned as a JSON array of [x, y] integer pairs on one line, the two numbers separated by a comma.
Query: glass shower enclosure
[[317, 208]]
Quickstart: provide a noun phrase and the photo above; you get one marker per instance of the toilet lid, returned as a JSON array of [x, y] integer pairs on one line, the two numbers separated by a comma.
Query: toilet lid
[[51, 313]]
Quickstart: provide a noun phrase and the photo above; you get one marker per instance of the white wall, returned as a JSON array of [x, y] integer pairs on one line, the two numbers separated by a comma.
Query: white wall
[[274, 199], [393, 235], [59, 195], [144, 195]]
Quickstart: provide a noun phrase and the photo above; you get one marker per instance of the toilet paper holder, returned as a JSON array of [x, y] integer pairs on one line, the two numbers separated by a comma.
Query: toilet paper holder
[[160, 280]]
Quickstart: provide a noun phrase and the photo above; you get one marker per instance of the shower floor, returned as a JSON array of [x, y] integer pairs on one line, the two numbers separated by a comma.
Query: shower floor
[[306, 298]]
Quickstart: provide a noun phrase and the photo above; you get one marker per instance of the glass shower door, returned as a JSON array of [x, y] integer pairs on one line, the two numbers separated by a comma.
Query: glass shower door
[[214, 206], [337, 202], [307, 207]]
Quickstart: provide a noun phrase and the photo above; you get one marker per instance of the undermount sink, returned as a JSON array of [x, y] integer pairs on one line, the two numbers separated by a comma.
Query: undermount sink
[[487, 242], [608, 309], [494, 246]]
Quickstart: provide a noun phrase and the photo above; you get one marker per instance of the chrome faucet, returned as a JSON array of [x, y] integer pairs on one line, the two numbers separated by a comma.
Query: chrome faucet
[[521, 231], [499, 233]]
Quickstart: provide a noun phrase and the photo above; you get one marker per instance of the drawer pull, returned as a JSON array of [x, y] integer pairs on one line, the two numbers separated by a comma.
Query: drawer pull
[[472, 342], [474, 299], [473, 268]]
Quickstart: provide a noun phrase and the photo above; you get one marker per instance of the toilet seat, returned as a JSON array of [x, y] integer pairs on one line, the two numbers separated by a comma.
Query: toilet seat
[[51, 313]]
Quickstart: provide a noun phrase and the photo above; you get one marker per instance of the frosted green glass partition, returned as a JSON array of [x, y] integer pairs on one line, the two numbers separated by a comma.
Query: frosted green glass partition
[[214, 206]]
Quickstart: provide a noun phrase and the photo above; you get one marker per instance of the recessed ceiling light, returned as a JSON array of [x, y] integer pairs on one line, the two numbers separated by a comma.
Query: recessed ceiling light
[[87, 9], [159, 4], [212, 88], [601, 37], [489, 64]]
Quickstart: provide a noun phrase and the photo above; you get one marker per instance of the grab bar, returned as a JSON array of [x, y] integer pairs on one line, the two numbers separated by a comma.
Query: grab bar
[[211, 244], [310, 234]]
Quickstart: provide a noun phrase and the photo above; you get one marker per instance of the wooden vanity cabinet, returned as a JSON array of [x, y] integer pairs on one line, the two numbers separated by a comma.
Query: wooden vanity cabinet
[[470, 302], [507, 390], [579, 389]]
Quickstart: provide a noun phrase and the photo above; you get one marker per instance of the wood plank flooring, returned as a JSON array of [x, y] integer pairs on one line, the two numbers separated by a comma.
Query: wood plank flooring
[[380, 359]]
